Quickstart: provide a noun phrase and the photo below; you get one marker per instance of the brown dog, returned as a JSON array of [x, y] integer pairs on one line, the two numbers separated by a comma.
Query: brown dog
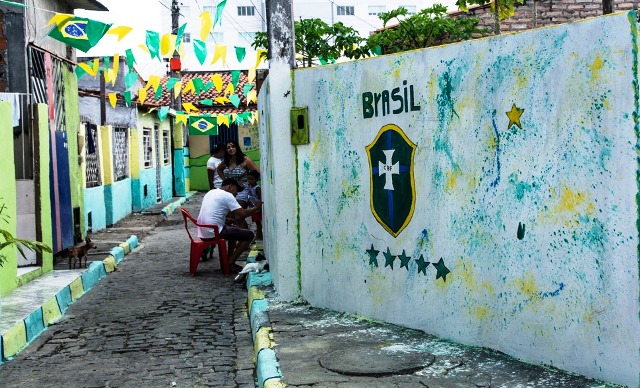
[[77, 252]]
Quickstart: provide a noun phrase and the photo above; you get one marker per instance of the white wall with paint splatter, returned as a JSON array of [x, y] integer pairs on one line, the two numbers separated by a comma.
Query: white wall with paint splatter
[[523, 235]]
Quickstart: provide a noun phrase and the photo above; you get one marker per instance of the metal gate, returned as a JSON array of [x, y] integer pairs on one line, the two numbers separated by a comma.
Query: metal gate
[[46, 80], [156, 131]]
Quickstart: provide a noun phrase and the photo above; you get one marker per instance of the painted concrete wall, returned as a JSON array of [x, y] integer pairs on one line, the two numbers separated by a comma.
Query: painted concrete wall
[[95, 203], [42, 160], [75, 161], [117, 195], [9, 269], [512, 224]]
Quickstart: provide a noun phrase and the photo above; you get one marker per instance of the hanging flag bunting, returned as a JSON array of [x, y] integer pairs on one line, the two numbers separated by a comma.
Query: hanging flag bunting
[[246, 116], [130, 80], [120, 31], [80, 72], [240, 119], [144, 48], [260, 57], [189, 87], [113, 99], [158, 94], [162, 113], [235, 78], [217, 81], [153, 44], [180, 36], [80, 33], [154, 82], [219, 9], [108, 75], [142, 95], [91, 70], [229, 89], [235, 100], [177, 89], [59, 19], [181, 118], [252, 96], [253, 118], [203, 125], [241, 52], [189, 107], [223, 119], [131, 60], [197, 83], [165, 44], [116, 68], [127, 97], [246, 89], [171, 83], [106, 62], [205, 25], [222, 100], [200, 49], [220, 53], [206, 102], [251, 75]]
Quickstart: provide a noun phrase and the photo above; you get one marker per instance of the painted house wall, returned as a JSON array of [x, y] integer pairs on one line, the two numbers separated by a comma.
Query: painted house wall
[[43, 205], [9, 270], [117, 195], [522, 235], [75, 161], [180, 167]]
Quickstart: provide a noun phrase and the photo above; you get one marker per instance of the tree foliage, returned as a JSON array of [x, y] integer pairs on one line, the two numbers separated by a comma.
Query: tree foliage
[[430, 27], [315, 40], [10, 240]]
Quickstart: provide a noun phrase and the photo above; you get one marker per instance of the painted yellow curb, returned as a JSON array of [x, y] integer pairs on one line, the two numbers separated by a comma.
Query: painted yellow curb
[[274, 383], [14, 340], [110, 264], [262, 340], [51, 311], [254, 293], [126, 247], [76, 289]]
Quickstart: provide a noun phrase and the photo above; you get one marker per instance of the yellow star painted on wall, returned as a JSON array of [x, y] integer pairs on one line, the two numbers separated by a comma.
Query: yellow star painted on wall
[[514, 116]]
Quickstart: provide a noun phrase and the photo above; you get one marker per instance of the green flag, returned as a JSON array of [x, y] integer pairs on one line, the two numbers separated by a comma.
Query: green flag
[[130, 79], [158, 94], [171, 83], [207, 102], [162, 113], [180, 36], [200, 48], [80, 72], [240, 53], [153, 44], [235, 78], [80, 33], [235, 100], [246, 89], [127, 97], [203, 125], [198, 85], [219, 9], [131, 60]]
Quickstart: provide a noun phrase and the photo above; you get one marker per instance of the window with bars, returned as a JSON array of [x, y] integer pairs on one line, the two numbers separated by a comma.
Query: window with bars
[[92, 165], [246, 11], [146, 147], [120, 153], [345, 10], [377, 9], [166, 144]]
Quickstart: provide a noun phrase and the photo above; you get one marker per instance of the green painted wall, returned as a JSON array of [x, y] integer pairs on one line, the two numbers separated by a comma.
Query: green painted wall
[[9, 270], [73, 125], [45, 234]]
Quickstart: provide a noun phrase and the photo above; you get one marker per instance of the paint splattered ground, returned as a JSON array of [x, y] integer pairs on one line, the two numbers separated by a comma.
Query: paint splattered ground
[[323, 348]]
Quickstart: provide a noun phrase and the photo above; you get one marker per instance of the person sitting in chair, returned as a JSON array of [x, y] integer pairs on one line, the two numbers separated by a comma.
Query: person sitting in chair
[[216, 205]]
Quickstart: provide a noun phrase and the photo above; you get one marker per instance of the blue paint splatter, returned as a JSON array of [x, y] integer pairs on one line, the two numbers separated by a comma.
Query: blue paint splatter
[[495, 129]]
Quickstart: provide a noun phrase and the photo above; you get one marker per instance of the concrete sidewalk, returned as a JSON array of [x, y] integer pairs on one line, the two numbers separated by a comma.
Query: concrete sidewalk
[[302, 346]]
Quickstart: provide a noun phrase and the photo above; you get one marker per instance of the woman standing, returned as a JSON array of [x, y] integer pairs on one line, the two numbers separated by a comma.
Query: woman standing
[[236, 165]]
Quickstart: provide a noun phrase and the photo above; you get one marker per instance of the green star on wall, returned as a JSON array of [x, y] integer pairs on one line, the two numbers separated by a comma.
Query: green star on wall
[[389, 258], [442, 270], [404, 260], [373, 256], [422, 265]]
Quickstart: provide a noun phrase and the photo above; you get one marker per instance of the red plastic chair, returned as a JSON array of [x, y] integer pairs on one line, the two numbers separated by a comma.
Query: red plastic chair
[[198, 246]]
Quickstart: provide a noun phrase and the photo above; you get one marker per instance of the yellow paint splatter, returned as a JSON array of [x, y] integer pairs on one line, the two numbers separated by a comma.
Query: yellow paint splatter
[[595, 67], [527, 285], [396, 72], [452, 179], [480, 312], [568, 207], [606, 104]]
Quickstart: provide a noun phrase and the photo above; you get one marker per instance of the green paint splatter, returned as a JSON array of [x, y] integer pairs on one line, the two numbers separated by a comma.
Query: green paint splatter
[[521, 188]]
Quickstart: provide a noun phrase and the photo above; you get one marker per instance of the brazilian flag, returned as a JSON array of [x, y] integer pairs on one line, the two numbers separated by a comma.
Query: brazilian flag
[[78, 32], [203, 125]]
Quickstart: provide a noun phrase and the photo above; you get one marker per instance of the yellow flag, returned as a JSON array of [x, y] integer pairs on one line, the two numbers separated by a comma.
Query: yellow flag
[[223, 119], [251, 75], [149, 112], [229, 89], [165, 44], [91, 70], [252, 96], [154, 81], [177, 88], [189, 87], [109, 76], [59, 18], [259, 56], [120, 31], [142, 95], [217, 82], [206, 24], [233, 117], [220, 53], [189, 107], [113, 98], [221, 100], [253, 117], [180, 118], [116, 67], [144, 48]]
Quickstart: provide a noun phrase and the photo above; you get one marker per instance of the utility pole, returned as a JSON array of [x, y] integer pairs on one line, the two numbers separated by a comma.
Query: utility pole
[[175, 69]]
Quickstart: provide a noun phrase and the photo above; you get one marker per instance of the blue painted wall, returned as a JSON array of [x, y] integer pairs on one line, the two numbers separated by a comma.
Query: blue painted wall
[[118, 200], [179, 176], [94, 202], [166, 179], [140, 201]]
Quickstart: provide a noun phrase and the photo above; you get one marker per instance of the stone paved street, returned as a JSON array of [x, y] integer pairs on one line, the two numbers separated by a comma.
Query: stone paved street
[[149, 324]]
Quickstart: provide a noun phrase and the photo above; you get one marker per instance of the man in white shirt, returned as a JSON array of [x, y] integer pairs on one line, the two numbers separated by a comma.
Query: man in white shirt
[[212, 166], [216, 205]]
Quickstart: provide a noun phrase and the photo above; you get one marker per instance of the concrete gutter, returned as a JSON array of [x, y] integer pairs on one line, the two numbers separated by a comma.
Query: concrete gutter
[[170, 208]]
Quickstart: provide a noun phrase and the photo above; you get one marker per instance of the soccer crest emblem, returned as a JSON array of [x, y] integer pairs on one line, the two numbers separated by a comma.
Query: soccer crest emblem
[[393, 192]]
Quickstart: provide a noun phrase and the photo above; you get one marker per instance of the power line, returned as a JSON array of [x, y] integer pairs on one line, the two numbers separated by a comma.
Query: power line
[[259, 14], [164, 5]]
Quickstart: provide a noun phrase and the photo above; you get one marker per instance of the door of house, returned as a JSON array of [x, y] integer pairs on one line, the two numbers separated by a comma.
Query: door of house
[[158, 164]]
